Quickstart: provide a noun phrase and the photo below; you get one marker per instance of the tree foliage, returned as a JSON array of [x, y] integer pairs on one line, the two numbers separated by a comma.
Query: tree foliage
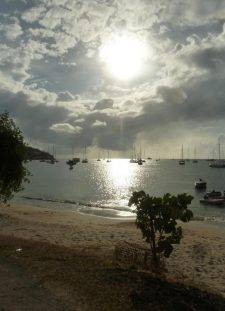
[[157, 218], [12, 158]]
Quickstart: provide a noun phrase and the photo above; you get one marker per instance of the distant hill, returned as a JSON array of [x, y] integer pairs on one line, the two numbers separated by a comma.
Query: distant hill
[[36, 154]]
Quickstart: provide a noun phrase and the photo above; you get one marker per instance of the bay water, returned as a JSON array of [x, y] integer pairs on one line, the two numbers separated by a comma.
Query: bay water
[[104, 188]]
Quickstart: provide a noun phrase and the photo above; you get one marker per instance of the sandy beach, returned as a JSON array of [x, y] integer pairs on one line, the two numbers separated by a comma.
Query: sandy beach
[[198, 261]]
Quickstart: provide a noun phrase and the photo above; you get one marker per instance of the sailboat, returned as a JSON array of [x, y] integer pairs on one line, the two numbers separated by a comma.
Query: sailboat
[[73, 161], [195, 160], [108, 160], [85, 160], [133, 156], [182, 161], [53, 159], [218, 163], [140, 161], [98, 157]]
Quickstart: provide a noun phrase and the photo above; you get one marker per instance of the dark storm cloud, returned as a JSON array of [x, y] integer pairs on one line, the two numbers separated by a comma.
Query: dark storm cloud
[[177, 110], [210, 58], [107, 131], [34, 120], [206, 99]]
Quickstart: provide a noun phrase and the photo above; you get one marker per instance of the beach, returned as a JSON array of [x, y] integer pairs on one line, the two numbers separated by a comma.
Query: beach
[[198, 261]]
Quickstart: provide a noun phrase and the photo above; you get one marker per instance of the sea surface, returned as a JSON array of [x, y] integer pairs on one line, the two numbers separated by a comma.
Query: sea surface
[[103, 189]]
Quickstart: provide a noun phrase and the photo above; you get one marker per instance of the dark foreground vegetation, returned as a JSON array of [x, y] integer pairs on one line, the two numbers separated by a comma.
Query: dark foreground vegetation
[[58, 278], [13, 171]]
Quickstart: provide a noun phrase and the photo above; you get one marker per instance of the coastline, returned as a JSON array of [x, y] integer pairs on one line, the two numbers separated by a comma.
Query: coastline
[[92, 209], [198, 261]]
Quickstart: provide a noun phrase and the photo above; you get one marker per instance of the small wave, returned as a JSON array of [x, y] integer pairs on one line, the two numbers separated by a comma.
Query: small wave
[[212, 219], [53, 200], [92, 206], [58, 201], [111, 211], [106, 213], [215, 219], [198, 218]]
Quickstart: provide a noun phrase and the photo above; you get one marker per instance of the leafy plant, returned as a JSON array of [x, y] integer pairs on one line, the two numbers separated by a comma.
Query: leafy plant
[[12, 158], [157, 218]]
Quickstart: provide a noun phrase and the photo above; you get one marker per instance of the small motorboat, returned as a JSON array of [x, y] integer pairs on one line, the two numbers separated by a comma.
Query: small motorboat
[[182, 162], [200, 184], [216, 194], [213, 198]]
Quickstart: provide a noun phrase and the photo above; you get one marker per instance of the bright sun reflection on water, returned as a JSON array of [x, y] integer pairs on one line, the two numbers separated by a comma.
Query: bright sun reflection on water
[[121, 172]]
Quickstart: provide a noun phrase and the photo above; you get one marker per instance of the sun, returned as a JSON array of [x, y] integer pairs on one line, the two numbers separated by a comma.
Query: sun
[[124, 56]]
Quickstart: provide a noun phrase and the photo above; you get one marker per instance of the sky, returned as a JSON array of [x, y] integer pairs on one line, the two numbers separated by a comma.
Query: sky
[[114, 74]]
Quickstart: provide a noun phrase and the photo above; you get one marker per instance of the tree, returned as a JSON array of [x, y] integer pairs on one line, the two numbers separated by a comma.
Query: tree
[[12, 158], [157, 218]]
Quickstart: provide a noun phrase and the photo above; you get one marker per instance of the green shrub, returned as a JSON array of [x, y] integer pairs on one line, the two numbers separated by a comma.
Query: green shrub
[[12, 158], [157, 218]]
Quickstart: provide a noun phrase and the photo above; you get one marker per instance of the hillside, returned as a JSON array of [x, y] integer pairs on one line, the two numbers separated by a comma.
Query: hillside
[[36, 154]]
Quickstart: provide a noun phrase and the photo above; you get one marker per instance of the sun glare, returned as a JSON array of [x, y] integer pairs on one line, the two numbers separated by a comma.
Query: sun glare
[[124, 56]]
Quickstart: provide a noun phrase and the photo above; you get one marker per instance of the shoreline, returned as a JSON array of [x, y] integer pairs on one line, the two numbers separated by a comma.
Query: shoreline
[[101, 211], [199, 259]]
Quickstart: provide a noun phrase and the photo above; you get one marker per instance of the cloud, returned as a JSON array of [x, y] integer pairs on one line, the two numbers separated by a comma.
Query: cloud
[[34, 120], [33, 14], [54, 84], [98, 123], [65, 96], [171, 94], [65, 128], [104, 104], [13, 64], [11, 31]]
